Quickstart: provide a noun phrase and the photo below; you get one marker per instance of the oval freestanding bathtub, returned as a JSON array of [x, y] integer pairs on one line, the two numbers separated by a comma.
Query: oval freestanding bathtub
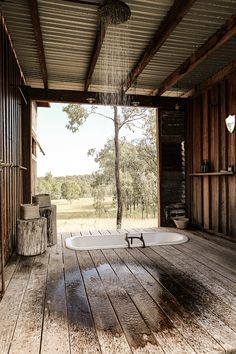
[[82, 243]]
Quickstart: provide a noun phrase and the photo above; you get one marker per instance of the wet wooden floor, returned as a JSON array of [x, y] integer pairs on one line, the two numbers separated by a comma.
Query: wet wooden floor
[[163, 299]]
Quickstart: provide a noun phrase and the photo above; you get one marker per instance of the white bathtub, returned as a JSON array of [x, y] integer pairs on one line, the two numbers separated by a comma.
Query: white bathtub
[[82, 243]]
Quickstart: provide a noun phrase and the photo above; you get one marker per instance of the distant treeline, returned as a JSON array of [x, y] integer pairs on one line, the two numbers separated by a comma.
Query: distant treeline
[[67, 187], [138, 166]]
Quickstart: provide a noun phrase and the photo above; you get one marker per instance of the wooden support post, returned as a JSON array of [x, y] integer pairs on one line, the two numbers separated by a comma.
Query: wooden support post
[[32, 236], [27, 150], [50, 213]]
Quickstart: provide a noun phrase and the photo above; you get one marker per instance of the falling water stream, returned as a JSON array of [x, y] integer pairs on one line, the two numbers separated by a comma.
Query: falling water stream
[[115, 60], [115, 65]]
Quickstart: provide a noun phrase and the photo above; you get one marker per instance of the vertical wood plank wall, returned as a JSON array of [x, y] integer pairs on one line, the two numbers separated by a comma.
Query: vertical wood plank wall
[[212, 199], [10, 143]]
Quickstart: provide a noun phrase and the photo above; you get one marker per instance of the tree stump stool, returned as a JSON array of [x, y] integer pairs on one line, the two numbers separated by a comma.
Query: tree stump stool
[[50, 213], [32, 236]]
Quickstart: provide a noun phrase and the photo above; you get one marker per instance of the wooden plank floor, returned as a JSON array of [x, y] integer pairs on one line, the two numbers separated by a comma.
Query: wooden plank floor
[[160, 300]]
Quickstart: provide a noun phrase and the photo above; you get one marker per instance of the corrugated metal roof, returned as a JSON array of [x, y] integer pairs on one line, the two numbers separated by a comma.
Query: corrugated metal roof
[[219, 59], [197, 26], [145, 19], [19, 23], [69, 31]]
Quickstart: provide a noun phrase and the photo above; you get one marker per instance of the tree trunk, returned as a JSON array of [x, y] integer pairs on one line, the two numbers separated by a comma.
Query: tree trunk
[[142, 208], [117, 171]]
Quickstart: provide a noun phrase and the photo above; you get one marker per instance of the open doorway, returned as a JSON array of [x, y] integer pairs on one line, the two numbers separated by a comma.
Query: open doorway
[[171, 136], [79, 167]]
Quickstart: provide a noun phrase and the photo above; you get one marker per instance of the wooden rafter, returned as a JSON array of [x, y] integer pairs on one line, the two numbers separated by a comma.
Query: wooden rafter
[[213, 80], [217, 77], [85, 2], [167, 26], [227, 31], [33, 4], [101, 32], [70, 96]]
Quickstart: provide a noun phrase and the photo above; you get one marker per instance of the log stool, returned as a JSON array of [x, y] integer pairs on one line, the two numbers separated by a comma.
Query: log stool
[[32, 236], [50, 213]]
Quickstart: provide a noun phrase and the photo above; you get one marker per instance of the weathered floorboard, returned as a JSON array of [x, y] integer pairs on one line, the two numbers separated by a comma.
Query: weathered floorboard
[[225, 259], [82, 333], [200, 272], [10, 269], [109, 331], [227, 283], [203, 297], [95, 233], [11, 303], [104, 232], [55, 335], [137, 333], [213, 240], [28, 330], [200, 339], [199, 310], [163, 329], [200, 253], [83, 233], [164, 299]]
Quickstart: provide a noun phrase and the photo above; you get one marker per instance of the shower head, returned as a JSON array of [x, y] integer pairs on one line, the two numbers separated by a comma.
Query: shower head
[[114, 12]]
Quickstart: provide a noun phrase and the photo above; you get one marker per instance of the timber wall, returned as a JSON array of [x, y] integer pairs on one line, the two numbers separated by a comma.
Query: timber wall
[[11, 189], [212, 199]]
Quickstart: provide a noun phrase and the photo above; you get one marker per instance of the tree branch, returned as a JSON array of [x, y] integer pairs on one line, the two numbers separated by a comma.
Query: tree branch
[[100, 114], [129, 121]]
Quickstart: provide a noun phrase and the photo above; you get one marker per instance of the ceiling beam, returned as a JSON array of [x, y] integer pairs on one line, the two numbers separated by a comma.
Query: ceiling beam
[[85, 2], [167, 26], [101, 32], [227, 31], [217, 77], [71, 96], [188, 93], [43, 104], [34, 12]]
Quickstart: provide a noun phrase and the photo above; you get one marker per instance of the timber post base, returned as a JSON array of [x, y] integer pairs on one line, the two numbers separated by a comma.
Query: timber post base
[[50, 213], [32, 236]]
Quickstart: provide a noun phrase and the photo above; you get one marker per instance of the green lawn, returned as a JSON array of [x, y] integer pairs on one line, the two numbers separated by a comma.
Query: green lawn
[[79, 215]]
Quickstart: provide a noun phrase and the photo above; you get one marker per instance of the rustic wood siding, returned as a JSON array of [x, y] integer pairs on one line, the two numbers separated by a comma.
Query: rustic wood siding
[[212, 199], [10, 143], [34, 148], [172, 164]]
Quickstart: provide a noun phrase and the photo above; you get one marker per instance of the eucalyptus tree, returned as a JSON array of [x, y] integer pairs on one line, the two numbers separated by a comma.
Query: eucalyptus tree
[[121, 117]]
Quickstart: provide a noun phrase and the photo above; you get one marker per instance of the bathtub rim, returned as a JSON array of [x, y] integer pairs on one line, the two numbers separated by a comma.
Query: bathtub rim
[[69, 241]]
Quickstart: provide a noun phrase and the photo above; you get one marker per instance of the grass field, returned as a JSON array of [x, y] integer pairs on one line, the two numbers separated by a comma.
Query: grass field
[[79, 215]]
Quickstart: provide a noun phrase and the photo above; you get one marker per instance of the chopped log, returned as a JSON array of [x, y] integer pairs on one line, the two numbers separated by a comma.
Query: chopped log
[[50, 213], [32, 236], [29, 211]]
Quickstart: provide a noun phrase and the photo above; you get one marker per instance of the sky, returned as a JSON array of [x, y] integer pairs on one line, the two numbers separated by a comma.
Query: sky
[[66, 152]]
